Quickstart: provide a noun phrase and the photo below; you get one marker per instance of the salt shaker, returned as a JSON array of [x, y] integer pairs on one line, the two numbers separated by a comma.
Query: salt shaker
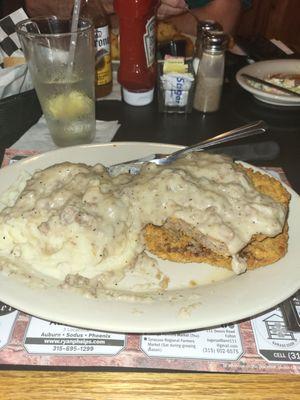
[[203, 27], [210, 74]]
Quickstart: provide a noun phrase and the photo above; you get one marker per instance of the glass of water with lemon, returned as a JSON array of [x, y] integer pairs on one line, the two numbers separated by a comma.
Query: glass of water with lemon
[[66, 94]]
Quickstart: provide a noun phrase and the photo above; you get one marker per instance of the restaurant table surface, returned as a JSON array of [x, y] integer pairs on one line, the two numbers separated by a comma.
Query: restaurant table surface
[[281, 148]]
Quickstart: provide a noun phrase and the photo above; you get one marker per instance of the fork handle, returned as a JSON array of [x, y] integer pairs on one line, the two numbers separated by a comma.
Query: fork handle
[[251, 129]]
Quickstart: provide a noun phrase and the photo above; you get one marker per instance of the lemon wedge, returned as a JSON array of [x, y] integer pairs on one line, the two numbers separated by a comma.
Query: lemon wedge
[[69, 105]]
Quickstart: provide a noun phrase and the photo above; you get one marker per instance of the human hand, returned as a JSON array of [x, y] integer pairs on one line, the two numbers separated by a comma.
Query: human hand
[[171, 8]]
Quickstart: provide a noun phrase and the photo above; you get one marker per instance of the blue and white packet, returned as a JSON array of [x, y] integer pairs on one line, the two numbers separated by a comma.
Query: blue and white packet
[[176, 87]]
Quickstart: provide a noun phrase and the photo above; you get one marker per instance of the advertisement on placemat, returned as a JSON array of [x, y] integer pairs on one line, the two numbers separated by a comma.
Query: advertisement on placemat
[[262, 345]]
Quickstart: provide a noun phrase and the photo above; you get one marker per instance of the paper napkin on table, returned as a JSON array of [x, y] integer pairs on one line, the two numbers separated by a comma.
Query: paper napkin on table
[[38, 136], [15, 79]]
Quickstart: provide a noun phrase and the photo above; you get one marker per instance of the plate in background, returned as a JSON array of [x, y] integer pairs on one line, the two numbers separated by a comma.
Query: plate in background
[[264, 69]]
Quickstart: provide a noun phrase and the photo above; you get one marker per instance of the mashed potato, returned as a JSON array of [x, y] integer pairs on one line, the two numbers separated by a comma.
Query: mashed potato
[[64, 222], [74, 220]]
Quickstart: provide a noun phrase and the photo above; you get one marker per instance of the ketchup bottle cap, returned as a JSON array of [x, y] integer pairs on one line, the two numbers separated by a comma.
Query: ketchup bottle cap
[[138, 98]]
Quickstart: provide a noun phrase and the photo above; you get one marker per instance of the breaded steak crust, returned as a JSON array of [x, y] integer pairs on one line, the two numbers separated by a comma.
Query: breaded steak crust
[[175, 245]]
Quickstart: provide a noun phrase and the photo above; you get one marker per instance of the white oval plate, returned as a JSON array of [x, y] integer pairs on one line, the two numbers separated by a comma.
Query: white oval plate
[[263, 69], [229, 298]]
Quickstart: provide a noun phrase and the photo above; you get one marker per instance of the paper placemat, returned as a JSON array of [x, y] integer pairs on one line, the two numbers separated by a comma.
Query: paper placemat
[[259, 345]]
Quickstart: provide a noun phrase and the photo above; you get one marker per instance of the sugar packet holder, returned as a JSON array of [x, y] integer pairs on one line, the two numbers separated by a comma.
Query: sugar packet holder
[[176, 90]]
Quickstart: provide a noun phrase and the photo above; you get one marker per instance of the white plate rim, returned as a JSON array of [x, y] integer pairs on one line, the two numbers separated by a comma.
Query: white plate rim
[[275, 99], [157, 317]]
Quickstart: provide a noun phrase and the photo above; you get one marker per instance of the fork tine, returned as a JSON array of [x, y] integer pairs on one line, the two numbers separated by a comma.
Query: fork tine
[[131, 166], [254, 128]]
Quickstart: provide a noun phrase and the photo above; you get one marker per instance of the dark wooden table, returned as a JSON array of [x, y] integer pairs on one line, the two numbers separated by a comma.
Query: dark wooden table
[[281, 147]]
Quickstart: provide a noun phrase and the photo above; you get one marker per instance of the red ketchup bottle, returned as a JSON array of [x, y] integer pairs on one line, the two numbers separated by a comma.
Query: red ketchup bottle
[[137, 70]]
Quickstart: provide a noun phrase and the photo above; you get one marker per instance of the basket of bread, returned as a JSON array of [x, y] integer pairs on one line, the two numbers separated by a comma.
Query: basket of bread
[[19, 105]]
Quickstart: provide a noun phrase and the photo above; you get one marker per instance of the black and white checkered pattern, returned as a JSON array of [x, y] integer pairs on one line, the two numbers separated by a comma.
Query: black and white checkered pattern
[[9, 41]]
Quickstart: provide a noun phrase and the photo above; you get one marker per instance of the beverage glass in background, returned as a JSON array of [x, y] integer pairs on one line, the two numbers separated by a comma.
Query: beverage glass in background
[[67, 95]]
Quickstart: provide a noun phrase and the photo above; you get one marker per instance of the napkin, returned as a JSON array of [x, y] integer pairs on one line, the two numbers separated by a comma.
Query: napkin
[[38, 136], [15, 79]]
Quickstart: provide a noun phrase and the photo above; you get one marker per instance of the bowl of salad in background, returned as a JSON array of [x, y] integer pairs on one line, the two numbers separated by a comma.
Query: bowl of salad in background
[[285, 73]]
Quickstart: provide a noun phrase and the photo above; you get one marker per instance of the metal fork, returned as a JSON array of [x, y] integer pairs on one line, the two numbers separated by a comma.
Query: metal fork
[[244, 131]]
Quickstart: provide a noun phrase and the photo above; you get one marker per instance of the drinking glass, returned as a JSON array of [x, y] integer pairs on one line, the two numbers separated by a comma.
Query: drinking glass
[[61, 64]]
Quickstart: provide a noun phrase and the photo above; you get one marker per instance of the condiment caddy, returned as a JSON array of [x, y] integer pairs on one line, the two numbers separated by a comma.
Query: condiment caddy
[[176, 82]]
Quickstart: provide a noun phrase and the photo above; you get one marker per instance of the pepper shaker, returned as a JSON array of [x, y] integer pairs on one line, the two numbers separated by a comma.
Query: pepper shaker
[[202, 27], [210, 74]]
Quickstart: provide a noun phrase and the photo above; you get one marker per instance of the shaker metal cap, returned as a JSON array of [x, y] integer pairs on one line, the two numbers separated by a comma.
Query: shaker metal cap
[[204, 26], [208, 25], [215, 41]]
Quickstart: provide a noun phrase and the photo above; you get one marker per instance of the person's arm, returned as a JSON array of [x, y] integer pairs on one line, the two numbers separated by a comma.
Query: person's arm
[[226, 12]]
